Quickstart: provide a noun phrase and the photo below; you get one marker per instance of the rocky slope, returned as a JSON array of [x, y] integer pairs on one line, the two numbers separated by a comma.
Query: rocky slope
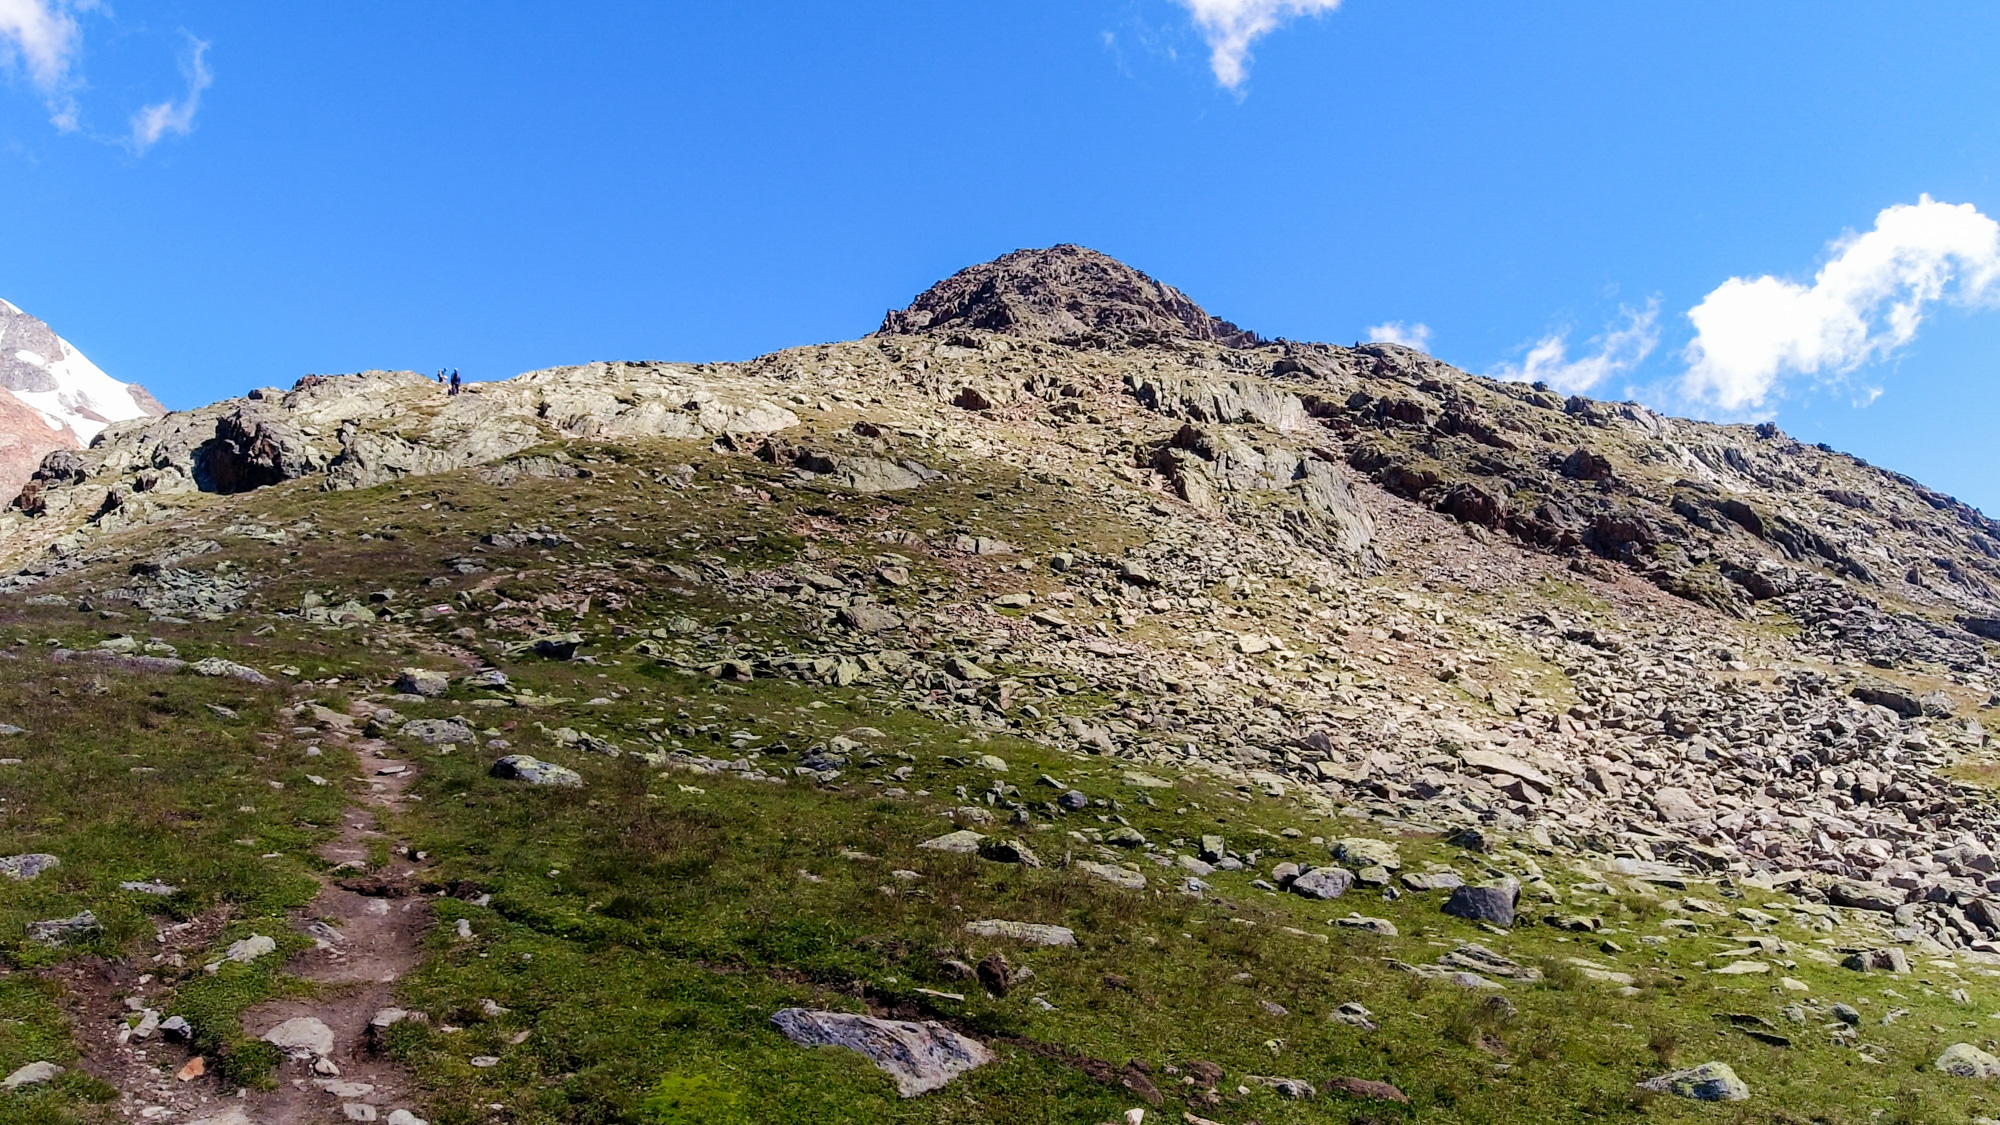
[[52, 397], [1055, 502]]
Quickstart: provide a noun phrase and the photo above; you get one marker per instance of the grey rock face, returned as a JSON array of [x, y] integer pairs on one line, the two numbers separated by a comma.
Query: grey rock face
[[920, 1057]]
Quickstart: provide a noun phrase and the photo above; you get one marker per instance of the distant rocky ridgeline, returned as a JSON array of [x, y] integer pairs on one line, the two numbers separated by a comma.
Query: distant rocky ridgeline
[[1061, 352]]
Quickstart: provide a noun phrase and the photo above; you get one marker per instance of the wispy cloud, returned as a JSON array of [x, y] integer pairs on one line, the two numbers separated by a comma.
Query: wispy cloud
[[1230, 26], [39, 39], [1397, 332], [1867, 301], [156, 121], [1620, 348]]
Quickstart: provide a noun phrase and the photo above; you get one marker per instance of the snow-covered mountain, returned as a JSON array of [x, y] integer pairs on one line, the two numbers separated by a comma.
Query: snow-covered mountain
[[52, 397]]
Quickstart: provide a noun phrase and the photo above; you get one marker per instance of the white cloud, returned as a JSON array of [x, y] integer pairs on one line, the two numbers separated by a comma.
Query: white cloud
[[1619, 349], [1867, 301], [40, 38], [1230, 26], [156, 121], [1396, 332]]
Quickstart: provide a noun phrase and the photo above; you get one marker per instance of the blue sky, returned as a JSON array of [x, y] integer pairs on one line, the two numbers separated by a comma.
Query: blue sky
[[207, 197]]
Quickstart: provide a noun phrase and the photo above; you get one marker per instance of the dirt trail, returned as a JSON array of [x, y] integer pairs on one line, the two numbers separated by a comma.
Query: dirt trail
[[367, 926]]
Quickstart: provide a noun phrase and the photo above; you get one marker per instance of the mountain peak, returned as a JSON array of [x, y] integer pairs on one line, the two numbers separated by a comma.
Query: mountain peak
[[1064, 293], [52, 397]]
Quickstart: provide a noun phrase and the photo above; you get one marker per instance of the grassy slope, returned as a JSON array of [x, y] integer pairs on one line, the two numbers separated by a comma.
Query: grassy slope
[[646, 927]]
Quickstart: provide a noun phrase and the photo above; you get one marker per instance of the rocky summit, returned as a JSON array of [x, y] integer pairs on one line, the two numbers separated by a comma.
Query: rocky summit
[[1059, 705]]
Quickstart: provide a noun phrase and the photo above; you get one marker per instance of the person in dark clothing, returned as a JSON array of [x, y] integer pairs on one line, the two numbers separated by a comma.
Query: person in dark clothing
[[454, 381]]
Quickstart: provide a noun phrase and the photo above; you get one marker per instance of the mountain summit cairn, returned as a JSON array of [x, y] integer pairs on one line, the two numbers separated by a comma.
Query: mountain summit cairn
[[1066, 294]]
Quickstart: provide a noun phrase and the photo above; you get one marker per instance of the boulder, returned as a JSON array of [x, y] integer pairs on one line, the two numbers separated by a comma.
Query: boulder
[[60, 931], [1677, 805], [33, 1074], [962, 842], [1963, 1060], [1029, 933], [1367, 1088], [1877, 961], [920, 1057], [27, 866], [1866, 896], [1709, 1082], [1116, 876], [534, 771], [301, 1037], [440, 732], [870, 618], [1322, 882], [1368, 853], [1493, 903], [423, 681]]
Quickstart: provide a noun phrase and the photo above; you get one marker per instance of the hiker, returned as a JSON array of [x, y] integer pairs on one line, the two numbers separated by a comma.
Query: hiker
[[454, 381]]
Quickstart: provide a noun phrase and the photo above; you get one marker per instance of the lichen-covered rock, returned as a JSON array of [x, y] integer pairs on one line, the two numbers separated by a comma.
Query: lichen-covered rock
[[534, 771], [920, 1057], [1967, 1061], [1709, 1082]]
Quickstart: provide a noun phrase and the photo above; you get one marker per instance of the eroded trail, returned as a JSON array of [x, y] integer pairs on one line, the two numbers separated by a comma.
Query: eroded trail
[[366, 924]]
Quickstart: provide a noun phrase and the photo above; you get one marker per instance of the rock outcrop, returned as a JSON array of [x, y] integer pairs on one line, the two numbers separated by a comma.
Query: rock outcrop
[[1064, 294]]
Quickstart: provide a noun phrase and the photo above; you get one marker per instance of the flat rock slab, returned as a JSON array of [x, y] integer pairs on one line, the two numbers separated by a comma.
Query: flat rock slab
[[27, 866], [437, 732], [301, 1037], [1116, 876], [1032, 933], [962, 842], [921, 1057]]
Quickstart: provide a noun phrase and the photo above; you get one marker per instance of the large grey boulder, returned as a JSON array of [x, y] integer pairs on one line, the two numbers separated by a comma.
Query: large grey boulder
[[301, 1037], [1323, 883], [1967, 1061], [438, 732], [1494, 902], [1866, 896], [1709, 1082], [423, 681], [33, 1074], [534, 771], [921, 1057]]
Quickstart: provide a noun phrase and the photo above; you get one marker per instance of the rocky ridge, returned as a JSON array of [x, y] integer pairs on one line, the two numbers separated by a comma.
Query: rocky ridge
[[1667, 649]]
